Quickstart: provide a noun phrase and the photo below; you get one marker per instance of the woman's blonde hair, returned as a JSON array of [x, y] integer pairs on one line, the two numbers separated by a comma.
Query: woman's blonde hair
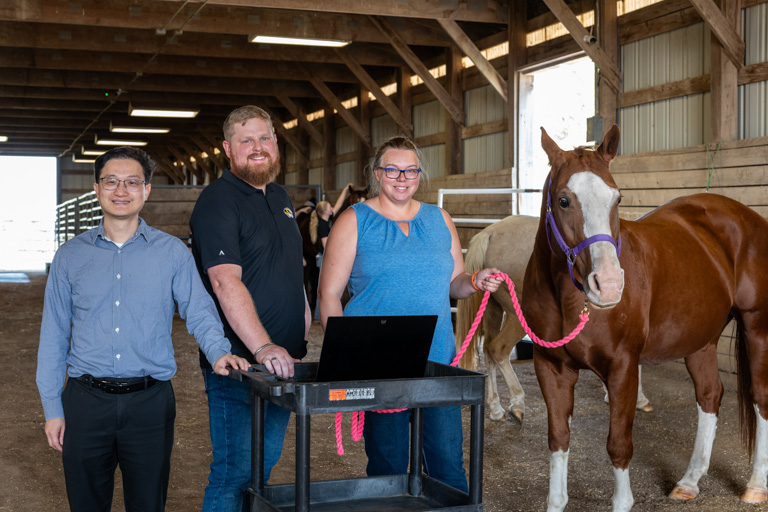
[[314, 219], [396, 142]]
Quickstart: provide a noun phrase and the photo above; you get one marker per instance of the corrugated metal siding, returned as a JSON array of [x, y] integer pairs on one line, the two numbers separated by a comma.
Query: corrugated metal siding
[[434, 158], [753, 98], [316, 150], [346, 140], [382, 128], [668, 124], [346, 172], [482, 105], [485, 153], [291, 178], [316, 176], [428, 119], [290, 155]]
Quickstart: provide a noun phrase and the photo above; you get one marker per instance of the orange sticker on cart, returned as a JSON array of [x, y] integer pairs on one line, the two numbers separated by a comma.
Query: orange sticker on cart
[[337, 394]]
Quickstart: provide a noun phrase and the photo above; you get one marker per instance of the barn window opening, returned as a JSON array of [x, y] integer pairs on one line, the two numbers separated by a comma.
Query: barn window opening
[[27, 213]]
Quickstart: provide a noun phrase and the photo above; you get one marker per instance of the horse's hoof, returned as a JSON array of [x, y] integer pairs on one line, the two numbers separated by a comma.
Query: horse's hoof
[[752, 495], [683, 493], [497, 416], [516, 417], [646, 408]]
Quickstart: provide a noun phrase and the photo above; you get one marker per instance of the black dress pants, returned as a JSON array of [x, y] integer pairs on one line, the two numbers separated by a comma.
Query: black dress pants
[[102, 431]]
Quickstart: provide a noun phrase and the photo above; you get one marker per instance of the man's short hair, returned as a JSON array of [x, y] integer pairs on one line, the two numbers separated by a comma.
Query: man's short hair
[[241, 116], [126, 153]]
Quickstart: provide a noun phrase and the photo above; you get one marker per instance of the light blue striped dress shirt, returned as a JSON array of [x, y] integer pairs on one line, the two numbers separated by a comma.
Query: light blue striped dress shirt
[[109, 310]]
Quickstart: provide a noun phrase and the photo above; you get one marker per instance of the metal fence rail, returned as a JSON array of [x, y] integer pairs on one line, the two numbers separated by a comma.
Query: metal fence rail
[[76, 216]]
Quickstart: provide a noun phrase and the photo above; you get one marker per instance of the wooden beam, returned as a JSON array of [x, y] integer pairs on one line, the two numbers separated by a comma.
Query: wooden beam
[[470, 50], [403, 80], [608, 68], [722, 29], [517, 57], [301, 118], [348, 117], [369, 83], [453, 108], [485, 11], [363, 153], [184, 160]]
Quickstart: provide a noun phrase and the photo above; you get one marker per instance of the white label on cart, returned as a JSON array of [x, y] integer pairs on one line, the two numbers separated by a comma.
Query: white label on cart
[[352, 394]]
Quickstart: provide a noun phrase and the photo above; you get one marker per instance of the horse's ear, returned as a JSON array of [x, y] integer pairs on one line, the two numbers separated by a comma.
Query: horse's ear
[[610, 145], [553, 151]]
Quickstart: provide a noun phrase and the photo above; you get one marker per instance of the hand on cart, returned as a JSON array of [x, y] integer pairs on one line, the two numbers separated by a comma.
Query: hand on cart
[[225, 362], [276, 360]]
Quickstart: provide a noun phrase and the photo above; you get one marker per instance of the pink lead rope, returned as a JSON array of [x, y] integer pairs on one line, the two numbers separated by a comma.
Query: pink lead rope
[[358, 417]]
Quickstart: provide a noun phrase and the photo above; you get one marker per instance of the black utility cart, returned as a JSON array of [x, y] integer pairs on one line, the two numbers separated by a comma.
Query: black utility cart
[[442, 385]]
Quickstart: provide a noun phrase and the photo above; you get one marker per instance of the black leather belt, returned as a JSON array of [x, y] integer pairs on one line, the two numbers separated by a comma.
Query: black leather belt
[[118, 387]]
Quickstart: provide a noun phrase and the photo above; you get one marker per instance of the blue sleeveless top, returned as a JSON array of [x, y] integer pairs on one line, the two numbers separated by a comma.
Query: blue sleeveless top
[[395, 274]]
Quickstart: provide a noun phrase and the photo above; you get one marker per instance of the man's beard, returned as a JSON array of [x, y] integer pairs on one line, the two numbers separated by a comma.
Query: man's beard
[[257, 175]]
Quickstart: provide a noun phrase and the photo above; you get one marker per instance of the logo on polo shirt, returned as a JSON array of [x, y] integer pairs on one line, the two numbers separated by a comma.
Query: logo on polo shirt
[[288, 213], [221, 253]]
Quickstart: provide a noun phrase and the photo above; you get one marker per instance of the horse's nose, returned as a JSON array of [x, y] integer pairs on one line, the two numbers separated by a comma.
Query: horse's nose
[[606, 286]]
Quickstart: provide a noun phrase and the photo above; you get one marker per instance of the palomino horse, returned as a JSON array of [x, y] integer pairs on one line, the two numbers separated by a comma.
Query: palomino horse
[[506, 245], [310, 248], [660, 288]]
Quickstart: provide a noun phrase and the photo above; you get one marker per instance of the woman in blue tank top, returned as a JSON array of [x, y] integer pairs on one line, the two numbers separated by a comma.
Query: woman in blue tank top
[[402, 257]]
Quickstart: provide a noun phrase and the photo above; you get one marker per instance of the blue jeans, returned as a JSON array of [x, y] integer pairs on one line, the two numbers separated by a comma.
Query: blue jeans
[[229, 415], [387, 440]]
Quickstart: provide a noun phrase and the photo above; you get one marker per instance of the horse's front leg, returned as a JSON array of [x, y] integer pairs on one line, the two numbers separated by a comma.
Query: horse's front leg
[[622, 389], [557, 382]]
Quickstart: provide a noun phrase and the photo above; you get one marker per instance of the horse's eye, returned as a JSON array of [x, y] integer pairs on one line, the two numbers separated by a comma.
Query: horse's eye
[[564, 202], [619, 201]]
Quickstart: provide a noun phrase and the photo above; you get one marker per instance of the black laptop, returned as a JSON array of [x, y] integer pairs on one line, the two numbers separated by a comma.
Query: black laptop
[[375, 347]]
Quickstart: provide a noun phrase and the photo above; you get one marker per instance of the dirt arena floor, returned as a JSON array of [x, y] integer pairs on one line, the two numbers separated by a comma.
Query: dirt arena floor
[[516, 462]]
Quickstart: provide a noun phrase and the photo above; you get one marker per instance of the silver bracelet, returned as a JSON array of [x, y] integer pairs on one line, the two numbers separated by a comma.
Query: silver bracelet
[[260, 349]]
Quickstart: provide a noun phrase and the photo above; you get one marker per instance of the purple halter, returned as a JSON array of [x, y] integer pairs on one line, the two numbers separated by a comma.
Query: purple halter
[[572, 253]]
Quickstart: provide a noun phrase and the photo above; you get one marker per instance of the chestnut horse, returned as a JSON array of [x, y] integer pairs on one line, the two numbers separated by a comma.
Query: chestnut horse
[[660, 288], [506, 245]]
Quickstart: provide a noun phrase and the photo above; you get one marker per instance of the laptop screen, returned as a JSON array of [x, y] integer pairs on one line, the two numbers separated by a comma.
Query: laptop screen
[[375, 347]]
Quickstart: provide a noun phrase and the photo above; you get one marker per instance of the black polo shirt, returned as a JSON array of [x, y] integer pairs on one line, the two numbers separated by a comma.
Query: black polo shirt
[[235, 223]]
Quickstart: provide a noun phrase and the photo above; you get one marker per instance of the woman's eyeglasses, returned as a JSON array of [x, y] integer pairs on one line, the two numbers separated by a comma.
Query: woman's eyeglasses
[[394, 173]]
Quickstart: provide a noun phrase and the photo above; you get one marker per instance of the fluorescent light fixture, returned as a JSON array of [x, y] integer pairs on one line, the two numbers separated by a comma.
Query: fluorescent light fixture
[[78, 160], [150, 111], [136, 129], [299, 41], [115, 142], [3, 138], [92, 151]]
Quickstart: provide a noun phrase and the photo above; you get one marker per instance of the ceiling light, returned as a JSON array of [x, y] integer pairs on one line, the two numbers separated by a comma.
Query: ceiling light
[[92, 151], [136, 129], [115, 142], [3, 138], [82, 160], [299, 41], [148, 111]]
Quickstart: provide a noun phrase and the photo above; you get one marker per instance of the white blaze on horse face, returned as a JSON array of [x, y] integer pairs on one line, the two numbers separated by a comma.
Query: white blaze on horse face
[[605, 282]]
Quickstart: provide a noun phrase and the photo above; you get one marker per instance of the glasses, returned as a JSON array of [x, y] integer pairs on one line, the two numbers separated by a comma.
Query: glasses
[[394, 173], [131, 185]]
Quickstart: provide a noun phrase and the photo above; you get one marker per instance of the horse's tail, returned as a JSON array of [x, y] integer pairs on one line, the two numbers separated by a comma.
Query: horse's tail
[[313, 227], [745, 397], [466, 309]]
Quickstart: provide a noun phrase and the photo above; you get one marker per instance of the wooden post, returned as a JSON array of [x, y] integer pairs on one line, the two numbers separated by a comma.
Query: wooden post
[[329, 133], [363, 149], [516, 58], [724, 81], [404, 94], [608, 38], [452, 127]]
